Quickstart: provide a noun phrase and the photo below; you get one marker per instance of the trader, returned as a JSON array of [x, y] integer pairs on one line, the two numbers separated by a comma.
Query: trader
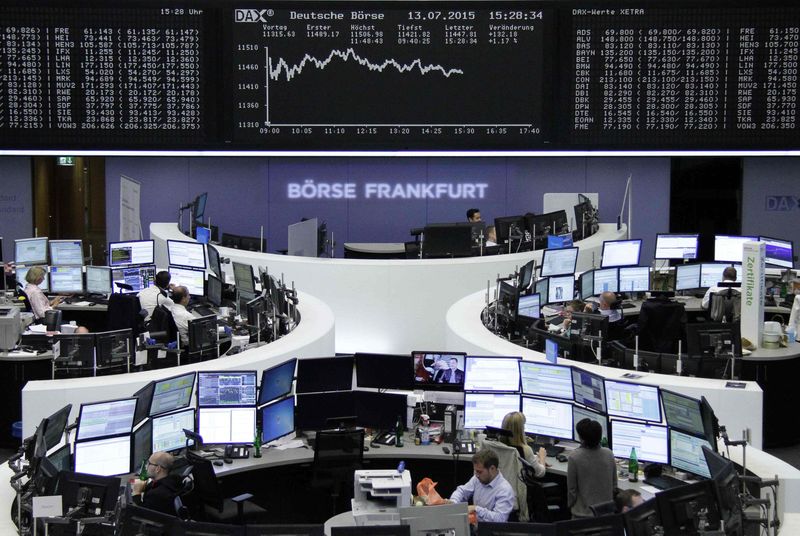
[[627, 499], [180, 295], [592, 472], [514, 422], [161, 488], [39, 302], [728, 276], [608, 305], [474, 215], [491, 494], [152, 297]]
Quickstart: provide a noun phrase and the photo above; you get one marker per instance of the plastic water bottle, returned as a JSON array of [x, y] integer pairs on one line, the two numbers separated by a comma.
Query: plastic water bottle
[[791, 334]]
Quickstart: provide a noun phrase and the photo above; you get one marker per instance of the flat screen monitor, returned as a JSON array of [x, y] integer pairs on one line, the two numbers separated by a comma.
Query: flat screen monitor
[[547, 418], [649, 440], [228, 388], [544, 379], [226, 425], [22, 271], [586, 285], [497, 374], [525, 276], [676, 246], [114, 348], [541, 288], [74, 349], [509, 227], [276, 382], [103, 419], [214, 263], [621, 253], [430, 367], [199, 207], [66, 252], [253, 243], [324, 374], [579, 413], [589, 389], [729, 248], [144, 397], [642, 520], [191, 278], [682, 412], [551, 223], [682, 508], [727, 484], [171, 394], [584, 324], [28, 251], [379, 410], [529, 306], [168, 429], [66, 279], [711, 273], [384, 371], [98, 280], [243, 277], [712, 339], [214, 290], [559, 261], [686, 453], [137, 277], [186, 254], [634, 279], [606, 280], [488, 409], [103, 457], [633, 401], [507, 297], [312, 410], [561, 288], [277, 420], [133, 252], [687, 276], [142, 444], [54, 429], [101, 493], [203, 335], [202, 234], [61, 458], [447, 240], [778, 252]]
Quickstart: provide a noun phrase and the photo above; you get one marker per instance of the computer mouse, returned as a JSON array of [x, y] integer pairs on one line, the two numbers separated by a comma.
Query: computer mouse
[[562, 458], [227, 460], [218, 463], [446, 450]]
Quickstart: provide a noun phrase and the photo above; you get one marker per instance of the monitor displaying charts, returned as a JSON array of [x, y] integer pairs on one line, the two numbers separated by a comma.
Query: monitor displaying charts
[[171, 394], [544, 379], [167, 430], [633, 401], [687, 276], [488, 409], [102, 456], [30, 251], [676, 246], [191, 278], [492, 374], [547, 417], [606, 280], [137, 277], [778, 252], [98, 280], [729, 248], [559, 261], [589, 389], [66, 279], [99, 419], [649, 440], [229, 388], [133, 252], [711, 273], [683, 412], [634, 279], [529, 306], [686, 453], [586, 284], [226, 425], [21, 271], [579, 413], [561, 288], [187, 254], [621, 253], [66, 252]]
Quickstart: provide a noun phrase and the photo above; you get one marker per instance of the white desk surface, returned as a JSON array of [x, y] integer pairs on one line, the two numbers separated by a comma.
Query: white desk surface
[[376, 247]]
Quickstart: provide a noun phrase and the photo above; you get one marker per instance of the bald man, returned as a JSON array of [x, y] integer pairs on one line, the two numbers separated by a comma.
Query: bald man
[[161, 488]]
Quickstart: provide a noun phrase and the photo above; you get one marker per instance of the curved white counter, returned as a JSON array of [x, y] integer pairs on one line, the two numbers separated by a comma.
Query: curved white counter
[[314, 336], [393, 305]]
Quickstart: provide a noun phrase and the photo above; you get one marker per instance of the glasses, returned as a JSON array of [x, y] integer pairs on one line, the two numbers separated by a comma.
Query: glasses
[[154, 465]]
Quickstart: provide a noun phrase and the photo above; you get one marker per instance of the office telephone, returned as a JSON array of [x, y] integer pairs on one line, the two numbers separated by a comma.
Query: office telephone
[[235, 452]]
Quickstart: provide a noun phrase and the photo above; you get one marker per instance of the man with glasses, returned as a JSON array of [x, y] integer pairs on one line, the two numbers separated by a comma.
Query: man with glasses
[[161, 488]]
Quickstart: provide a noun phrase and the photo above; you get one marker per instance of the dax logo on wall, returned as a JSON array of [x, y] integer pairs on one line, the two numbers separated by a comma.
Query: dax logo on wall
[[782, 203]]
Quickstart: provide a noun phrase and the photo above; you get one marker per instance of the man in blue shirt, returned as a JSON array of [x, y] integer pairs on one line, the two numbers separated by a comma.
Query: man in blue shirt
[[491, 494]]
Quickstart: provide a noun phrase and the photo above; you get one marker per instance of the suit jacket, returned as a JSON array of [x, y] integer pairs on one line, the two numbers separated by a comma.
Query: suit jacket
[[449, 372]]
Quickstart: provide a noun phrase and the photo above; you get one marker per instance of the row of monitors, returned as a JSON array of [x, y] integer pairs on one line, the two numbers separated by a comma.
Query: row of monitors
[[727, 248]]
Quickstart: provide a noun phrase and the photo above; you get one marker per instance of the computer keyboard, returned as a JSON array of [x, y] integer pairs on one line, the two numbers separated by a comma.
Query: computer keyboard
[[663, 482], [552, 450], [626, 305]]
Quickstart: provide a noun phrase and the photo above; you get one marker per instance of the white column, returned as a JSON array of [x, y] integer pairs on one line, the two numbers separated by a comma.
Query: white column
[[753, 291]]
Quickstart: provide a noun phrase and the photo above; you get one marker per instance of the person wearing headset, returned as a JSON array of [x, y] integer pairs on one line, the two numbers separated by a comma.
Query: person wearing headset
[[152, 297]]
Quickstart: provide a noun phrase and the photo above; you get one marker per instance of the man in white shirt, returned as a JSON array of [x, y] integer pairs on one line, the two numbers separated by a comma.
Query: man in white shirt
[[180, 295], [728, 275], [794, 318], [492, 496], [152, 297]]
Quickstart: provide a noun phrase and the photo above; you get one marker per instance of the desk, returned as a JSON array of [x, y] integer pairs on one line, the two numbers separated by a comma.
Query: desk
[[376, 250]]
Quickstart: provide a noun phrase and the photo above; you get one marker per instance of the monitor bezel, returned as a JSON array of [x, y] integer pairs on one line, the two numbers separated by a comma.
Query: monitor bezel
[[231, 372], [266, 371], [172, 378], [196, 244], [638, 454], [696, 246], [638, 419], [554, 251], [79, 439], [603, 253], [130, 264]]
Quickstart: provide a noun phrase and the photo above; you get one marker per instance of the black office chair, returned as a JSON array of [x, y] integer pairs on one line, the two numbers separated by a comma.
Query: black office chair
[[725, 305], [337, 455], [661, 325], [545, 499], [604, 508], [124, 311], [23, 297]]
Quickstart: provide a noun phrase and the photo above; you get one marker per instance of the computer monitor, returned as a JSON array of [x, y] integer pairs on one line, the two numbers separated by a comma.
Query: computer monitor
[[525, 276], [778, 252], [727, 484], [729, 248], [384, 371], [141, 444], [711, 339], [579, 413], [103, 456], [507, 297], [171, 394], [167, 434], [547, 417], [243, 277], [214, 262], [276, 382], [214, 290], [551, 223], [681, 507], [682, 412], [28, 251], [114, 348], [509, 227], [621, 253], [61, 458], [711, 273], [529, 308], [138, 521], [203, 334], [253, 243], [256, 312], [202, 234], [74, 349], [448, 519], [589, 389], [191, 278], [633, 400], [324, 374], [186, 254], [277, 420], [610, 525], [133, 252], [676, 246], [590, 324], [561, 288], [199, 207], [687, 276], [105, 419], [137, 277], [98, 280], [22, 271], [226, 425], [227, 388], [66, 279], [686, 453], [606, 280], [642, 520], [488, 409], [559, 261], [66, 252], [586, 285], [144, 397], [312, 410], [710, 423], [486, 528], [634, 279], [496, 374], [430, 367], [55, 425], [99, 493], [649, 440], [545, 379], [379, 410]]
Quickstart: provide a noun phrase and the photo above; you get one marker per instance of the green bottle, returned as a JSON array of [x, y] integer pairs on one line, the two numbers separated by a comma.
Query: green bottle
[[604, 442], [257, 444], [633, 467], [143, 476]]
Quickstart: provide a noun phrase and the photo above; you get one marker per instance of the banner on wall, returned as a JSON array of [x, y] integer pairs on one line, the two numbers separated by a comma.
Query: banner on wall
[[130, 224]]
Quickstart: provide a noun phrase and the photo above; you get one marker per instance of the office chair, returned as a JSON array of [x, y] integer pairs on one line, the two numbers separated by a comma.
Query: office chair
[[604, 508], [544, 498], [124, 311], [510, 467], [337, 455], [661, 325], [725, 305], [23, 297]]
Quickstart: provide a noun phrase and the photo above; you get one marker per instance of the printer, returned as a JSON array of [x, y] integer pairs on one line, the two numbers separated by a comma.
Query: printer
[[378, 494], [10, 327]]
